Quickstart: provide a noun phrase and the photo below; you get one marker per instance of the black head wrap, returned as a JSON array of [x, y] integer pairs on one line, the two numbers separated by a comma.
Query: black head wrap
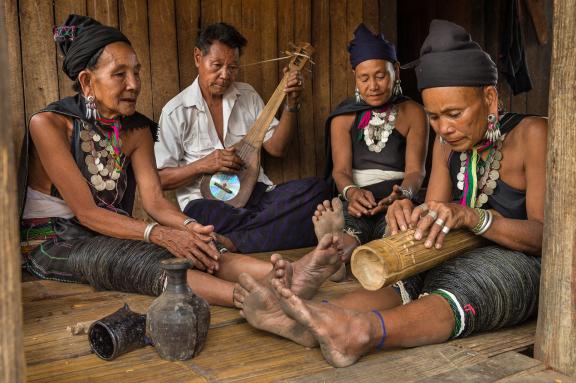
[[449, 57], [80, 38], [367, 46]]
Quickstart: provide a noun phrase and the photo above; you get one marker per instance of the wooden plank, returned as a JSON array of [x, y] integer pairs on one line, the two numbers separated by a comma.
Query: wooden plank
[[187, 29], [353, 19], [251, 27], [556, 328], [12, 27], [306, 133], [38, 54], [232, 13], [397, 366], [517, 338], [105, 11], [269, 49], [63, 8], [321, 77], [490, 370], [134, 24], [546, 376], [163, 53], [211, 12], [12, 362], [338, 54], [371, 14]]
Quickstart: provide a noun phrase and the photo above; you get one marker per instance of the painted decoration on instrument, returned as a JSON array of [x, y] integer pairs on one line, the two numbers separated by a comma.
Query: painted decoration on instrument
[[224, 186]]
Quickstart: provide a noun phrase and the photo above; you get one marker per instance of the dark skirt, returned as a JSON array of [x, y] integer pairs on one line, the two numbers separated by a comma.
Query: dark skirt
[[271, 220], [65, 251], [487, 288]]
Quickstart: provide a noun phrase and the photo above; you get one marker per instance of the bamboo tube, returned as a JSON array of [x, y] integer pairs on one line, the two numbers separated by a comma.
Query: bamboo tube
[[384, 261]]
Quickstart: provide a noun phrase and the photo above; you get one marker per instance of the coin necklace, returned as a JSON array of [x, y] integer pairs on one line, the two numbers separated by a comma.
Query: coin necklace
[[484, 161], [103, 157], [377, 125]]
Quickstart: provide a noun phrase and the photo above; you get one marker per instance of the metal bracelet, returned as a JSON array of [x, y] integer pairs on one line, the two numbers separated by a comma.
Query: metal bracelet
[[346, 188], [481, 221], [148, 231], [407, 193], [488, 223], [189, 220]]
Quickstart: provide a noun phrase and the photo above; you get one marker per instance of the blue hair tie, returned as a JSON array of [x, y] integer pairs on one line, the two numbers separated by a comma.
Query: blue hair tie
[[384, 334]]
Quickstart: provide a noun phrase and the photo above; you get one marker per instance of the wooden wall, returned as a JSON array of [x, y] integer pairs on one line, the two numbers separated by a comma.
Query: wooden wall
[[163, 33]]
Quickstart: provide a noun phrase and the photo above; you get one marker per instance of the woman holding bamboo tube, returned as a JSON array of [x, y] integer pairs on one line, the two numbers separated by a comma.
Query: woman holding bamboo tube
[[487, 176]]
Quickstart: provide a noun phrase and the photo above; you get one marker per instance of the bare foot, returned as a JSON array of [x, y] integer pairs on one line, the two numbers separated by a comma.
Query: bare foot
[[331, 325], [328, 218], [310, 271], [261, 309]]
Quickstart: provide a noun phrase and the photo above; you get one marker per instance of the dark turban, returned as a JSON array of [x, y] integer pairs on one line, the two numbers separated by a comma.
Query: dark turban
[[367, 46], [449, 57], [80, 38]]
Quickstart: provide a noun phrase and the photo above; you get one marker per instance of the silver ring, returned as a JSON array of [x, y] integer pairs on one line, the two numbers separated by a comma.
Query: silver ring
[[433, 214], [299, 82], [439, 222], [423, 207], [445, 229]]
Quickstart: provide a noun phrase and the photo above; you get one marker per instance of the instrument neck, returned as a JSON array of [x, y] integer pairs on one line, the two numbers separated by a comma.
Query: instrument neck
[[255, 136]]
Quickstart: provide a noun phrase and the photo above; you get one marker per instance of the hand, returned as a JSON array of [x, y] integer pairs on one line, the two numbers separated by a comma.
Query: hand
[[384, 203], [437, 219], [222, 160], [201, 252], [360, 201], [398, 216], [205, 233], [294, 86]]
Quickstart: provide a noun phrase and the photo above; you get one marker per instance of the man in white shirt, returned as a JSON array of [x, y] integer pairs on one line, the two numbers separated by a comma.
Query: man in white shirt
[[197, 130]]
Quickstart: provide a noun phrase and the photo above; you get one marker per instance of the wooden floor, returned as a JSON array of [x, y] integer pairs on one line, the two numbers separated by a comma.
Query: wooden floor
[[236, 352]]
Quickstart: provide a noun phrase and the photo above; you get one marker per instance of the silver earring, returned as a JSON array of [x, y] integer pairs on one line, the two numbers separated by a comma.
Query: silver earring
[[493, 133], [397, 91], [442, 140], [357, 96], [91, 111]]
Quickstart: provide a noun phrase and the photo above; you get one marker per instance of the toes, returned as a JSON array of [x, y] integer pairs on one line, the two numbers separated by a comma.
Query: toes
[[242, 314], [239, 296], [327, 205], [274, 258], [320, 209], [337, 204]]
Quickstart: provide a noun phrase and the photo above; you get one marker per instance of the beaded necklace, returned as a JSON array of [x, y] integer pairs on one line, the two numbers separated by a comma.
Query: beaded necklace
[[375, 127], [484, 161]]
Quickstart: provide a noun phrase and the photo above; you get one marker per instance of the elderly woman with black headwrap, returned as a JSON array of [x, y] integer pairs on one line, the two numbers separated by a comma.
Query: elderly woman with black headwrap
[[377, 143], [488, 176], [83, 157]]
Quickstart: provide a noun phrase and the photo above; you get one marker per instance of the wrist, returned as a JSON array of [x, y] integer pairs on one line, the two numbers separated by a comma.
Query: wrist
[[346, 191], [292, 108]]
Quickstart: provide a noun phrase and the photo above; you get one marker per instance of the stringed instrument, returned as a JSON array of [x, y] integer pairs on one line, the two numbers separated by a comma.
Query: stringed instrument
[[235, 188]]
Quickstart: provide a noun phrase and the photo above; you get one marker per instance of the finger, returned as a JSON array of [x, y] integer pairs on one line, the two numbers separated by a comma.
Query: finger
[[201, 229], [209, 249], [425, 223], [364, 203], [360, 207], [370, 198], [443, 232], [415, 216], [400, 219], [354, 211], [197, 264], [436, 229], [407, 210], [392, 225], [206, 262]]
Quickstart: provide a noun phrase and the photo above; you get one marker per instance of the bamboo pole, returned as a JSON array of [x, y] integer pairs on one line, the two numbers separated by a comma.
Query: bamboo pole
[[12, 362], [556, 329]]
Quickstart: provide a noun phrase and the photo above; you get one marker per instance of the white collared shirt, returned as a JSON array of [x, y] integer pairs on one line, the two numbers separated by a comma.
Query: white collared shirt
[[187, 132]]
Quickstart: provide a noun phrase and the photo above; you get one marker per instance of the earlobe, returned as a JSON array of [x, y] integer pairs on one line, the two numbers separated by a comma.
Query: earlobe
[[197, 56]]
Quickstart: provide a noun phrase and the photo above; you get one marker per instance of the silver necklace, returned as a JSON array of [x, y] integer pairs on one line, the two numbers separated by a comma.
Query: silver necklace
[[99, 159], [379, 129], [489, 173]]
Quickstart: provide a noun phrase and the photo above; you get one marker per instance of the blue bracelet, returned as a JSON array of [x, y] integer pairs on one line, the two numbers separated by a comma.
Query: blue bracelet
[[384, 334]]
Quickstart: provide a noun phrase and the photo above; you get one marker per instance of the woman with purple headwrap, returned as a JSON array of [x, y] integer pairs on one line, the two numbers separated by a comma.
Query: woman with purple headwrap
[[488, 176], [377, 143]]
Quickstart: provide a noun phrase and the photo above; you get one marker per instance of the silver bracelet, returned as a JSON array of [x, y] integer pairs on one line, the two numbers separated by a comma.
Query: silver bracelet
[[148, 231], [346, 188], [487, 224], [188, 220], [407, 193]]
